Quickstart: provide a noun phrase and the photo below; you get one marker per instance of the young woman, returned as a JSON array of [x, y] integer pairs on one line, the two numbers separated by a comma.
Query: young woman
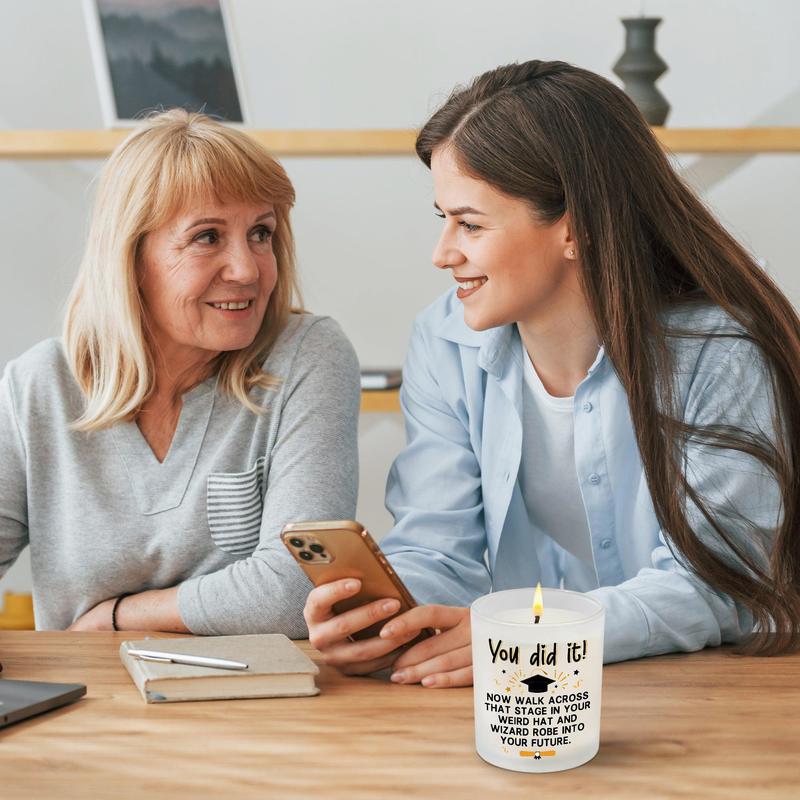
[[608, 401]]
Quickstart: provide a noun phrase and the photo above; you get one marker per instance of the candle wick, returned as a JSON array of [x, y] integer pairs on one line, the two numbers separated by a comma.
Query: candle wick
[[536, 619]]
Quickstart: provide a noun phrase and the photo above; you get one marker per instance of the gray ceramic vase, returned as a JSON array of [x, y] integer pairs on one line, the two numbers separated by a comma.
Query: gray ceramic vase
[[640, 66]]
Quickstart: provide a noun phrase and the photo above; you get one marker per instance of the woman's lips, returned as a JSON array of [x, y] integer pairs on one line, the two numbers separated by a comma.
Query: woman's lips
[[233, 309], [468, 286]]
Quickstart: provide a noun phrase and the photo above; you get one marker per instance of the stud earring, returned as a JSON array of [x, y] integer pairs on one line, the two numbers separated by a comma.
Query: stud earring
[[572, 254]]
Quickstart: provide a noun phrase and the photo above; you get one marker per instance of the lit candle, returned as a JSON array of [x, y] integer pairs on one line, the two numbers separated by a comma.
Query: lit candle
[[554, 616], [525, 615], [537, 678]]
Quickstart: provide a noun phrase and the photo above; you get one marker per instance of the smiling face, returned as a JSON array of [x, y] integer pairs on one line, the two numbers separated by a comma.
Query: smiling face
[[510, 267], [206, 277]]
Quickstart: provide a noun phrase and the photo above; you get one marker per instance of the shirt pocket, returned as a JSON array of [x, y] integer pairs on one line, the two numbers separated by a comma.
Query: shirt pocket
[[235, 503]]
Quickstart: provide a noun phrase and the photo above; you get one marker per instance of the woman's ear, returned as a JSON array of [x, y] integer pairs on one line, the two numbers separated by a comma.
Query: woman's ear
[[568, 243]]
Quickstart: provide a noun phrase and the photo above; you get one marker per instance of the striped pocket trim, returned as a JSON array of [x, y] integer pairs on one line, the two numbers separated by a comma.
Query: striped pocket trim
[[234, 506]]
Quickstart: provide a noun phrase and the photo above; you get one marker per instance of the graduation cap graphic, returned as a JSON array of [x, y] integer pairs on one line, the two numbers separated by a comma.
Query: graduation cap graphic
[[538, 683]]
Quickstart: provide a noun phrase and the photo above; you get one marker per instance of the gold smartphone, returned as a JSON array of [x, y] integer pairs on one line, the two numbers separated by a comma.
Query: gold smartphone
[[329, 551]]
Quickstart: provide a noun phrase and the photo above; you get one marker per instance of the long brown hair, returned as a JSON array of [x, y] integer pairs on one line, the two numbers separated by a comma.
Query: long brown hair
[[567, 140]]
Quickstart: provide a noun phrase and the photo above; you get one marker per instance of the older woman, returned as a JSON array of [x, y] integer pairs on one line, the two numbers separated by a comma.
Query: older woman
[[151, 458]]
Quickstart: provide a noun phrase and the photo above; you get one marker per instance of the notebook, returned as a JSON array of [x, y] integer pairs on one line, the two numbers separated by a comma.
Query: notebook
[[372, 379], [276, 668]]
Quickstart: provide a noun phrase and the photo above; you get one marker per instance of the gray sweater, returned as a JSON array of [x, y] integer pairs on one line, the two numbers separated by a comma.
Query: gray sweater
[[102, 516]]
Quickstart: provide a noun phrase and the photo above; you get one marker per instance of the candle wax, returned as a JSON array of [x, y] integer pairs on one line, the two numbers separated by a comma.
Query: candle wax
[[550, 616]]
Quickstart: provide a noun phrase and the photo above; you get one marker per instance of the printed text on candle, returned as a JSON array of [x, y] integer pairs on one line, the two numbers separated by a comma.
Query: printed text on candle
[[537, 721], [542, 655], [541, 703]]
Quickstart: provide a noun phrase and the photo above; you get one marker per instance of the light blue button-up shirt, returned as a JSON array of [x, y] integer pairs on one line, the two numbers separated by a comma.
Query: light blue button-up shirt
[[461, 524]]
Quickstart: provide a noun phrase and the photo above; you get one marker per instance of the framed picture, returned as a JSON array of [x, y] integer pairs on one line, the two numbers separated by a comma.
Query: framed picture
[[154, 54]]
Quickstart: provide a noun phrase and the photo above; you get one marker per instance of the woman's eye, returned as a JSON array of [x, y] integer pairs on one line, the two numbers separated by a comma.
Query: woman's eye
[[465, 225], [469, 228], [207, 237], [261, 234]]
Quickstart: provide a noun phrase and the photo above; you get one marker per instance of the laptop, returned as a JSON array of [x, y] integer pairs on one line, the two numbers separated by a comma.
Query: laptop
[[22, 699]]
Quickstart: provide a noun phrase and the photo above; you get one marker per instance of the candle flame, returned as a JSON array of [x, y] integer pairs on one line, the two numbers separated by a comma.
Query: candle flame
[[538, 603]]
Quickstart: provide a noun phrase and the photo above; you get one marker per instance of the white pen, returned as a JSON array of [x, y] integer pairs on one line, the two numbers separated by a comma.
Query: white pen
[[184, 658]]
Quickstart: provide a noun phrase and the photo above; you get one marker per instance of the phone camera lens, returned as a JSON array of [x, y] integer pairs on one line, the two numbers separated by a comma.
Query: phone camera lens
[[316, 548], [296, 542], [305, 555]]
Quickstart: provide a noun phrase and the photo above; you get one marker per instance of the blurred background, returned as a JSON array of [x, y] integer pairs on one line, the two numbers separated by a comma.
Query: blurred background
[[365, 225]]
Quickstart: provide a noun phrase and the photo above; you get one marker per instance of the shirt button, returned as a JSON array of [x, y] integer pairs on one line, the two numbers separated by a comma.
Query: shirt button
[[587, 406], [605, 544], [594, 478]]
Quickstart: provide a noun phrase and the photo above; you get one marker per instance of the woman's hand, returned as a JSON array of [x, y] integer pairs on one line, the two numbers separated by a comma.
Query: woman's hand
[[442, 660], [439, 661], [95, 619], [328, 632]]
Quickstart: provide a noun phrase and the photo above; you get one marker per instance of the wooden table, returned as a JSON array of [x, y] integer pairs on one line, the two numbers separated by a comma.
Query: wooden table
[[704, 725]]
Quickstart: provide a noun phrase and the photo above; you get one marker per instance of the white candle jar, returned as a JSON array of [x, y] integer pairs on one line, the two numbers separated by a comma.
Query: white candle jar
[[537, 687]]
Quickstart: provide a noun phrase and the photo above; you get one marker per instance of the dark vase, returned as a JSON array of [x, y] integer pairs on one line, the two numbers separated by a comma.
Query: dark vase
[[640, 66]]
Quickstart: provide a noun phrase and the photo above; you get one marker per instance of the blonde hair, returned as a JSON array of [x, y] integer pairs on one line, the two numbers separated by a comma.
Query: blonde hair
[[174, 159]]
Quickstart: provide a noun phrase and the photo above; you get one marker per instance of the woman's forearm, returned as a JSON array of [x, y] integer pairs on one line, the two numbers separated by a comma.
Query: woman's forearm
[[153, 610]]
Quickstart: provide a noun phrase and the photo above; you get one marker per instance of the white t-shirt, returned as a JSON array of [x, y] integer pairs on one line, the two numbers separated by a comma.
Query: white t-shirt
[[547, 475]]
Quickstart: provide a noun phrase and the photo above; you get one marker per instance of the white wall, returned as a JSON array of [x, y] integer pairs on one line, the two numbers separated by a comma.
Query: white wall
[[365, 227]]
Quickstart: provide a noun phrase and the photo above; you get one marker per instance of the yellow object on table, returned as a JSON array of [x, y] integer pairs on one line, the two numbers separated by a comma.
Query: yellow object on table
[[17, 612], [381, 401]]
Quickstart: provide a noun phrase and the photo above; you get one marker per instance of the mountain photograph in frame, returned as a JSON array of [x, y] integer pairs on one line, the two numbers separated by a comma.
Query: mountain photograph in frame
[[158, 54]]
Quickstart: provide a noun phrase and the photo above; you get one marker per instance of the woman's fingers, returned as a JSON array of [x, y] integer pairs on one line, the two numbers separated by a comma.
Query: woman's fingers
[[352, 654], [445, 680], [453, 639], [323, 635], [425, 617], [442, 660], [326, 628], [320, 601], [453, 663]]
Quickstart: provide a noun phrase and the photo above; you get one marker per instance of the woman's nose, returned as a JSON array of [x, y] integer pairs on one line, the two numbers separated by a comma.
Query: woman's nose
[[446, 254], [240, 266]]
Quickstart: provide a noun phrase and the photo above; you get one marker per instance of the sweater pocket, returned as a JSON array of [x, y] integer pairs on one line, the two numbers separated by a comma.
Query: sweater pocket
[[235, 503]]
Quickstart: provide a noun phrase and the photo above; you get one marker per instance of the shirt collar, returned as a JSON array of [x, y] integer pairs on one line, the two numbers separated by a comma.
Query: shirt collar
[[454, 329], [601, 353], [497, 345]]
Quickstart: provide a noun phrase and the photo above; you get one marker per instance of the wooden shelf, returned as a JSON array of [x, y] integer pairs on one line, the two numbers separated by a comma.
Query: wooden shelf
[[39, 144], [74, 144], [730, 140], [380, 401]]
